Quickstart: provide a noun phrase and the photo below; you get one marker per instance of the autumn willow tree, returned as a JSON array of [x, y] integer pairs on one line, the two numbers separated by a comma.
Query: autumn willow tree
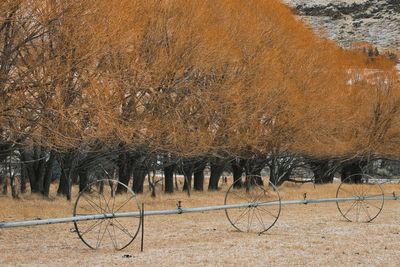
[[179, 85]]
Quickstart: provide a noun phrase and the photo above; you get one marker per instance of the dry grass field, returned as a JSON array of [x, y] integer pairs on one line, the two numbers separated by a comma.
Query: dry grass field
[[304, 235]]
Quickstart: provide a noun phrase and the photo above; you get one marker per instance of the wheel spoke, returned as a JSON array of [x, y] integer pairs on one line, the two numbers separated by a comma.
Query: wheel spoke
[[246, 200], [115, 236], [366, 210], [99, 222], [355, 189], [100, 202], [342, 189], [98, 234], [120, 207], [362, 190], [373, 205], [353, 205], [259, 196], [92, 204], [358, 210], [107, 207], [267, 211], [368, 189], [122, 228], [111, 236], [249, 219], [102, 236], [114, 189], [241, 215], [259, 218]]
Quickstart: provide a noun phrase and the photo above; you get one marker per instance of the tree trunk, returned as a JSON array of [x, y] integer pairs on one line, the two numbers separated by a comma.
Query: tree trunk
[[217, 168], [63, 184], [29, 163], [199, 175], [14, 191], [253, 171], [69, 160], [101, 187], [279, 173], [75, 178], [5, 186], [40, 170], [274, 175], [83, 179], [187, 173], [48, 174], [151, 180], [11, 175], [34, 166], [169, 178], [323, 171], [139, 175], [237, 170], [23, 179], [352, 172], [124, 171]]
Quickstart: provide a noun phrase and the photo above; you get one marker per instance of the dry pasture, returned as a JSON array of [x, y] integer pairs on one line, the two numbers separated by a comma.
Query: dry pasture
[[305, 235]]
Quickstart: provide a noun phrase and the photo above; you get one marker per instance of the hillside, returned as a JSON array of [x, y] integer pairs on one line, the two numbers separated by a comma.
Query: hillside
[[348, 21]]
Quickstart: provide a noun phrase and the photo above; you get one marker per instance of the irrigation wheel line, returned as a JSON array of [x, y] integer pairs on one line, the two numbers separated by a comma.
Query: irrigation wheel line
[[257, 216], [368, 202], [121, 231], [99, 218]]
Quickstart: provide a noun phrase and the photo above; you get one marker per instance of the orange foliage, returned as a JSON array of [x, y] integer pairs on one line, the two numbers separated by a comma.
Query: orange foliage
[[224, 78]]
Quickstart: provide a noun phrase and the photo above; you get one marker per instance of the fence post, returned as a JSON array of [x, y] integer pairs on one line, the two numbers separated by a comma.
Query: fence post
[[142, 223]]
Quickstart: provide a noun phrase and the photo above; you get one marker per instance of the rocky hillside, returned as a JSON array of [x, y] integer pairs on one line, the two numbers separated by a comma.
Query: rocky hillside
[[349, 21]]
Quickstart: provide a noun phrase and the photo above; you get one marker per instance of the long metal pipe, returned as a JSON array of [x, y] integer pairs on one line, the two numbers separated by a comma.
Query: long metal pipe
[[183, 210]]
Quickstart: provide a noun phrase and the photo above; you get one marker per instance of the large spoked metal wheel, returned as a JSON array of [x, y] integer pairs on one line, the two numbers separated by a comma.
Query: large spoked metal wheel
[[100, 197], [264, 204], [366, 202]]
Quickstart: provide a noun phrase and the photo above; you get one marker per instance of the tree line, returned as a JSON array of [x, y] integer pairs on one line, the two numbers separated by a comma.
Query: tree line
[[126, 88]]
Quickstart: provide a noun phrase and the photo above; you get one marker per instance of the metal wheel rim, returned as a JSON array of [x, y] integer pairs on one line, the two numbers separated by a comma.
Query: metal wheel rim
[[362, 205], [76, 224], [271, 223]]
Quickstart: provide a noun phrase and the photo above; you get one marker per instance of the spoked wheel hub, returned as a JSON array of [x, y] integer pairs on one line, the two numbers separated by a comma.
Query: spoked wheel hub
[[366, 202], [264, 204], [102, 197]]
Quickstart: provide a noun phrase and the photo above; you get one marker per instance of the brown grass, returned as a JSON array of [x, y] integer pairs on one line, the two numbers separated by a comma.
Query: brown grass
[[304, 235]]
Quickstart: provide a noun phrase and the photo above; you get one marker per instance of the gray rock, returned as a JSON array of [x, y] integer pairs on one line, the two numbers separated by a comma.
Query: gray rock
[[348, 21]]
